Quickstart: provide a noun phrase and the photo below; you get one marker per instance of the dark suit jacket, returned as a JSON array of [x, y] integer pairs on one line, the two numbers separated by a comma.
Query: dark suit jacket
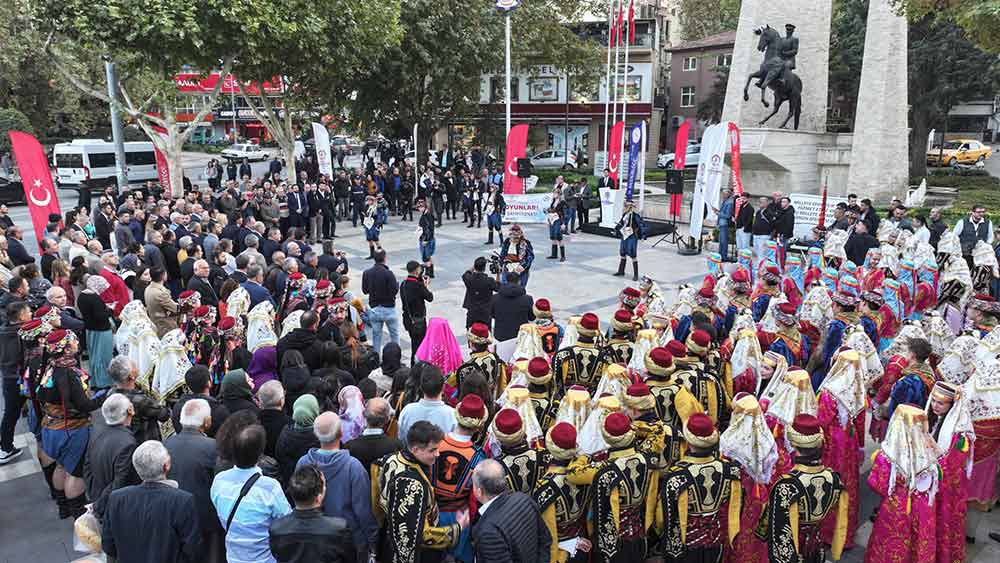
[[257, 293], [109, 462], [149, 507], [367, 449], [298, 205], [18, 254], [479, 290], [208, 295], [192, 465], [511, 531], [103, 227]]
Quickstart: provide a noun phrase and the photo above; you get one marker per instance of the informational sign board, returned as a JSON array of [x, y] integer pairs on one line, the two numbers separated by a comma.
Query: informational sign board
[[527, 208], [807, 211]]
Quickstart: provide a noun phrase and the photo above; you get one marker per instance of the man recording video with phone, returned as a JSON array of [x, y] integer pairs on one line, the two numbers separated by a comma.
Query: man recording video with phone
[[415, 295]]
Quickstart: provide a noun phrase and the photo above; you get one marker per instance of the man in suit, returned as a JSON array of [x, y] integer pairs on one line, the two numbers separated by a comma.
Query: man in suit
[[607, 181], [15, 248], [199, 282], [104, 225], [162, 309], [509, 527], [123, 233], [109, 452], [298, 207], [373, 444], [479, 290], [255, 277]]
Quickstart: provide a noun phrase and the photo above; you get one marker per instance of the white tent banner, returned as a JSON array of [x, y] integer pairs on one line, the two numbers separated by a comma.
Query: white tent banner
[[322, 139], [709, 179]]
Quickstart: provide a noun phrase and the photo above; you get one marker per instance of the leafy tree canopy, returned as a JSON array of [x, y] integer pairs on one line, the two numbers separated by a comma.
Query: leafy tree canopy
[[979, 18], [702, 18], [12, 120]]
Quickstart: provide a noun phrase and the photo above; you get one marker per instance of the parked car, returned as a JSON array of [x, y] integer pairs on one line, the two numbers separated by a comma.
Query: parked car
[[11, 190], [341, 142], [959, 151], [554, 159], [432, 157], [666, 160], [91, 163], [247, 151]]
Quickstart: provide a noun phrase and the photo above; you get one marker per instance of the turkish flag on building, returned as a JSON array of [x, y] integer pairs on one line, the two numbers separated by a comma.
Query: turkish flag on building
[[615, 150], [517, 145], [36, 179]]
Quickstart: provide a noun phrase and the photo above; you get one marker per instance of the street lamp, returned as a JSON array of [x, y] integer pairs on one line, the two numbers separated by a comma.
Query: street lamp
[[507, 6]]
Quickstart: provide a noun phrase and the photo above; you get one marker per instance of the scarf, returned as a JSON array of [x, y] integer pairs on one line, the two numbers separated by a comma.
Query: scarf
[[440, 347], [305, 410], [234, 386]]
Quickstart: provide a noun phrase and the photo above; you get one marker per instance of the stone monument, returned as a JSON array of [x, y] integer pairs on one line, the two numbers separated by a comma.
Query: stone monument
[[880, 151]]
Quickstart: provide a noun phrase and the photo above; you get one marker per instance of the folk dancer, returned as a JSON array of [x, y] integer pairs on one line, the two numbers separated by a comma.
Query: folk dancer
[[789, 341], [748, 441], [692, 504], [950, 425], [739, 300], [563, 494], [235, 354], [844, 305], [654, 437], [618, 349], [674, 403], [801, 499], [578, 364], [294, 299], [983, 385], [425, 236], [870, 315], [541, 391], [631, 228], [550, 332], [707, 386], [905, 473], [522, 464], [495, 209], [516, 252], [982, 315], [556, 217], [791, 396], [202, 337], [374, 219], [482, 360], [705, 303], [767, 288]]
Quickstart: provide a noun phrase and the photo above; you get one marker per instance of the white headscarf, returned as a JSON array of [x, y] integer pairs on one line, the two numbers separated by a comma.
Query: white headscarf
[[749, 441], [529, 343], [590, 439], [574, 408], [260, 327], [957, 421], [571, 336], [911, 451], [291, 322], [238, 303], [645, 340], [959, 361], [173, 364], [846, 385]]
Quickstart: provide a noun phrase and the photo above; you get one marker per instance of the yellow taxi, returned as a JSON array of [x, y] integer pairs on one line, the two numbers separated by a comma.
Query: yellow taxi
[[958, 151]]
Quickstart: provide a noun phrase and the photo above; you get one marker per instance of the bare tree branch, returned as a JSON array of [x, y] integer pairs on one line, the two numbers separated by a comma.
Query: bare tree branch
[[227, 65], [71, 77]]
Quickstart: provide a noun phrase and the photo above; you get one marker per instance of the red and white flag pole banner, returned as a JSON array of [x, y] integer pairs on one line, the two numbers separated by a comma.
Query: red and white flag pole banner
[[680, 159], [162, 168], [734, 156], [36, 179], [517, 146]]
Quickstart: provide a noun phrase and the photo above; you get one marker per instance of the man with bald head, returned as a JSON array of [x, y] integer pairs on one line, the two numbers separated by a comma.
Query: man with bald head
[[373, 443], [200, 282], [509, 527], [348, 489]]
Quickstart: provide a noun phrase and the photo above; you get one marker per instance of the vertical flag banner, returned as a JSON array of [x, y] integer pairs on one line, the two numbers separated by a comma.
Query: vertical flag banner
[[716, 147], [615, 150], [621, 23], [642, 168], [713, 142], [635, 143], [321, 138], [631, 21], [517, 145], [162, 168], [36, 179], [734, 153], [680, 160]]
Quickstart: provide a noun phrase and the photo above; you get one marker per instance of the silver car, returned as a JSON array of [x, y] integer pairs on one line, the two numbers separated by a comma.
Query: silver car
[[666, 160]]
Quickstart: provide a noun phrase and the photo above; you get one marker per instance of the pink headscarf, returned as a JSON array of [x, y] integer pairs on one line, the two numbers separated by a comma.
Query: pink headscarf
[[440, 347], [352, 413]]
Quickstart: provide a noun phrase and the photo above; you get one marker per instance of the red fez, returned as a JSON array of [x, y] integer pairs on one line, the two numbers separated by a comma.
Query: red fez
[[186, 294], [538, 367], [623, 316], [200, 311], [296, 276], [56, 335], [617, 424], [787, 308], [472, 407], [701, 338], [563, 435], [677, 349], [740, 276], [639, 389], [807, 425], [631, 292], [507, 421], [480, 330], [700, 424], [706, 292], [322, 284], [543, 305], [662, 356], [227, 323], [590, 321], [42, 311]]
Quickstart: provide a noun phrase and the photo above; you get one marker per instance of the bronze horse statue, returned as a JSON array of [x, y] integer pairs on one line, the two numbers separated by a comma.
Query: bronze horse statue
[[773, 74]]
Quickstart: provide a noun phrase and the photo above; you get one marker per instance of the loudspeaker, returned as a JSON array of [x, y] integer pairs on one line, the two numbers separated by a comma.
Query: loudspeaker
[[675, 181], [523, 167]]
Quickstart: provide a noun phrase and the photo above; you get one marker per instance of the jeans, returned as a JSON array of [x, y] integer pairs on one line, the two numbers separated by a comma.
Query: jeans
[[343, 208], [523, 279], [742, 239], [724, 240], [569, 221], [12, 403], [379, 317]]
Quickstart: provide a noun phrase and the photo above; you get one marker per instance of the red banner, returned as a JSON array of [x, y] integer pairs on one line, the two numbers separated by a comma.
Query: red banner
[[680, 159], [631, 22], [615, 150], [162, 168], [621, 24], [194, 83], [734, 148], [517, 145], [36, 178]]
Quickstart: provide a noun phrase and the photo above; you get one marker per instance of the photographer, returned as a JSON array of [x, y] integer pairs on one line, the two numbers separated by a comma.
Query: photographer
[[479, 290], [414, 294]]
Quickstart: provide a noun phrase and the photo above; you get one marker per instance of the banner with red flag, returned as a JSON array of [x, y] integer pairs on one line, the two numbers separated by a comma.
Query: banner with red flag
[[680, 159], [162, 168], [613, 33], [631, 21], [615, 150], [36, 179], [734, 154], [621, 23], [517, 145]]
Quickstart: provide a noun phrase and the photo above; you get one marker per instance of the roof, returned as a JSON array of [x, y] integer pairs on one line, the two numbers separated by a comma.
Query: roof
[[718, 40]]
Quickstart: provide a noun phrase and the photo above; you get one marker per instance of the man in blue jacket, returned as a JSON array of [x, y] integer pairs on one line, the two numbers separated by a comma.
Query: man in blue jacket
[[255, 277], [348, 488]]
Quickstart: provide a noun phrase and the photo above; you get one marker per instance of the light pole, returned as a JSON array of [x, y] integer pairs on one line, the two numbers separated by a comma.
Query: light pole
[[507, 6], [116, 125]]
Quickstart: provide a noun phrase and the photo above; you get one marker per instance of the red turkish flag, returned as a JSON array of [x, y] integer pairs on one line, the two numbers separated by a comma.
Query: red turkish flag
[[615, 150], [517, 145], [631, 21], [36, 179]]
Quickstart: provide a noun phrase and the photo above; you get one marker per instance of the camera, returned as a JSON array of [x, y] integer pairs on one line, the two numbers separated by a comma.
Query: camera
[[495, 262]]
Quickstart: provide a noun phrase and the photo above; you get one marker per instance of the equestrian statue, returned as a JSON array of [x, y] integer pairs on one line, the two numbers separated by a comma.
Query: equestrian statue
[[776, 72]]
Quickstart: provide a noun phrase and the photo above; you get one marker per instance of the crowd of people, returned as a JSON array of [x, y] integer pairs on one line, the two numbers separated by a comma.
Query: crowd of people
[[204, 385]]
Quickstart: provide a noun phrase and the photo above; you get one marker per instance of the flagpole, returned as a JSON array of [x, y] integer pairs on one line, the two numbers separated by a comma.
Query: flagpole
[[507, 86], [614, 77], [607, 93], [628, 38], [642, 168]]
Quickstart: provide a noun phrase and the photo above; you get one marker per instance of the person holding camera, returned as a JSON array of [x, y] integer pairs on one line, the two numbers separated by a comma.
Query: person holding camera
[[415, 295], [479, 290]]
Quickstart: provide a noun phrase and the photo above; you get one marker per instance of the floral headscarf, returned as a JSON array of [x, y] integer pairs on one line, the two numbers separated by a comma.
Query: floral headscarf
[[352, 412], [440, 347]]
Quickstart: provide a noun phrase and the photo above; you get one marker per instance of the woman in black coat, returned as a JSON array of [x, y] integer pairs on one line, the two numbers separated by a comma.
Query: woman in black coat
[[237, 393]]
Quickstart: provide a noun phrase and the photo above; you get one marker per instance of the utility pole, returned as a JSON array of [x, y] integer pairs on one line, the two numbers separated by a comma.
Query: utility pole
[[116, 125]]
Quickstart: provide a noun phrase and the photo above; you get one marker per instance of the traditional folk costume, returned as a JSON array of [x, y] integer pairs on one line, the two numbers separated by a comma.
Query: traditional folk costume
[[542, 392], [789, 340], [871, 315], [739, 300], [204, 346], [772, 373], [482, 361], [518, 398], [187, 301], [905, 474], [495, 209], [983, 391], [705, 302], [618, 350], [801, 499], [674, 403], [624, 490], [452, 472], [562, 493], [792, 397], [516, 252], [426, 242], [767, 287], [238, 304], [645, 340], [748, 442], [578, 364], [136, 339], [844, 317], [654, 438], [374, 219], [954, 434], [574, 407], [173, 364], [294, 299], [407, 507], [522, 464], [260, 327], [235, 354], [557, 218], [842, 404], [549, 332], [630, 228], [592, 441], [700, 375], [696, 494], [651, 298], [528, 343], [741, 357]]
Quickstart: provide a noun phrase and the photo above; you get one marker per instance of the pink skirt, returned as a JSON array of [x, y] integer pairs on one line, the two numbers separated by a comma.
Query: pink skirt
[[983, 483]]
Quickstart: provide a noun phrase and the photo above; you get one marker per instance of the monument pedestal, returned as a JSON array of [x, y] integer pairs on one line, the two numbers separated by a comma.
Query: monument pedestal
[[793, 161]]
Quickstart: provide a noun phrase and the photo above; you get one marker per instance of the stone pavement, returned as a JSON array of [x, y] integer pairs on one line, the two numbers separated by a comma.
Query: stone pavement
[[30, 529]]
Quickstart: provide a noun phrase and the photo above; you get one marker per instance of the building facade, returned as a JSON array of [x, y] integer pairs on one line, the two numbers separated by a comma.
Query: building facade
[[695, 67]]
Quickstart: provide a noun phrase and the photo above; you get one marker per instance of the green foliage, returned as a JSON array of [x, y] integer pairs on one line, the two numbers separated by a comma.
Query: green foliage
[[976, 187], [710, 108], [701, 18], [945, 68], [979, 18], [847, 46], [12, 120]]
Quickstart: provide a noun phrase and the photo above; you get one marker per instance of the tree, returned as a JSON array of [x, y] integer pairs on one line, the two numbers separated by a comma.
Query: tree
[[847, 47], [979, 18], [150, 43], [308, 70], [945, 68], [701, 18], [12, 120], [433, 75], [710, 108]]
